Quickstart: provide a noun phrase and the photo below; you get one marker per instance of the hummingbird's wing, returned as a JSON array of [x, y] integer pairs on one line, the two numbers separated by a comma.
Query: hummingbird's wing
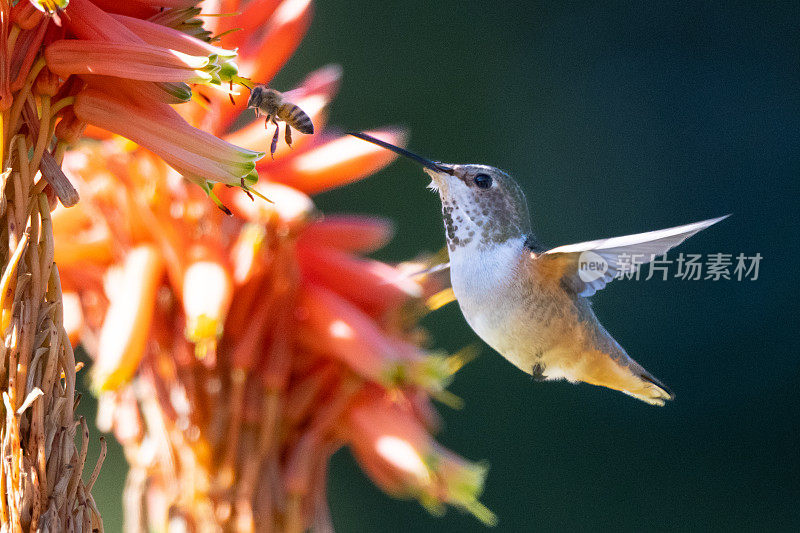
[[588, 266]]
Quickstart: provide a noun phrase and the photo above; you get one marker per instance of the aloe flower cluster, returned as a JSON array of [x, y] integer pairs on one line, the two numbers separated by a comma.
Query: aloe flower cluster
[[232, 354]]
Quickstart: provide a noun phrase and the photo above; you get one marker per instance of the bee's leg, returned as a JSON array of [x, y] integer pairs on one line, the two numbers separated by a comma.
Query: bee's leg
[[230, 94], [266, 122], [288, 135], [274, 145]]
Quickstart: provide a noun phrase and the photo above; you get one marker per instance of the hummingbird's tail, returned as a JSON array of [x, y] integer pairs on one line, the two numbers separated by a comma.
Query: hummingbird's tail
[[605, 363], [654, 392], [616, 370]]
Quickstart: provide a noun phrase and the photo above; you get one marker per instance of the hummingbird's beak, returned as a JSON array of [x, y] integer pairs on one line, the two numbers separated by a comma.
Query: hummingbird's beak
[[427, 163]]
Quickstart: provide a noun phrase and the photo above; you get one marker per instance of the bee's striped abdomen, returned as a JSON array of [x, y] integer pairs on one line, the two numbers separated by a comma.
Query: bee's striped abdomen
[[296, 118]]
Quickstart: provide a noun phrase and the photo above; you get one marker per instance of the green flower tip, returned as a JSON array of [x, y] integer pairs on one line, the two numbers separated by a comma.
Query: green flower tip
[[465, 484], [435, 372], [180, 91], [458, 483], [208, 187]]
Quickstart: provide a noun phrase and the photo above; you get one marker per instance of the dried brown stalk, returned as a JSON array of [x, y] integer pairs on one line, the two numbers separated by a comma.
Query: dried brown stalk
[[41, 485]]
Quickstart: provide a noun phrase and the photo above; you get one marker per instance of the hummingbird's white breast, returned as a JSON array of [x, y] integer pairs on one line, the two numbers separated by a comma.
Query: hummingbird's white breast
[[490, 291]]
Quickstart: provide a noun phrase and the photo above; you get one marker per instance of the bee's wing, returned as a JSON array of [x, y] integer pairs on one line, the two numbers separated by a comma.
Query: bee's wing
[[587, 267]]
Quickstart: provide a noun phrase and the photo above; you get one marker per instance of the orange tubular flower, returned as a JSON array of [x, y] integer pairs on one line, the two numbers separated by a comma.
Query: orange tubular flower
[[248, 348], [197, 155], [397, 451], [142, 61]]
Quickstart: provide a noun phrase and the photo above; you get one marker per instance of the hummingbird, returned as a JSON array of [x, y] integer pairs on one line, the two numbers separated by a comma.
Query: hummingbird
[[530, 303]]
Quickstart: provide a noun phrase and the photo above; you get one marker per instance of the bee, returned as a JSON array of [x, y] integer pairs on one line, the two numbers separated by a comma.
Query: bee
[[274, 105]]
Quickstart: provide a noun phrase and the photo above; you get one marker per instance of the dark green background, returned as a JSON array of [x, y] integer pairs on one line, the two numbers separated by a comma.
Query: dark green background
[[615, 119]]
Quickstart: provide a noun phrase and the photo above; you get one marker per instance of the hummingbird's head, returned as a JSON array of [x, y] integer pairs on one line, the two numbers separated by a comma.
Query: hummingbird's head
[[479, 203]]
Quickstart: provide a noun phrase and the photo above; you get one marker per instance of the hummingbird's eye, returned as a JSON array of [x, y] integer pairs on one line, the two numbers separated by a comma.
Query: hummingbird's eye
[[483, 181]]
